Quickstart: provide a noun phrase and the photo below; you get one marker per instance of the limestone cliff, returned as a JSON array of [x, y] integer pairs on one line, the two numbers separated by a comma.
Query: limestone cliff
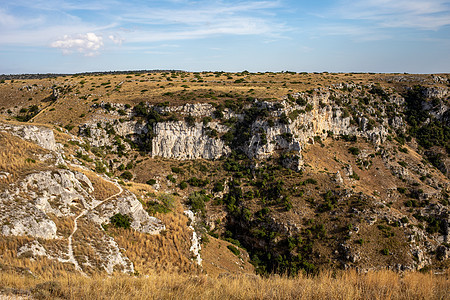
[[180, 140]]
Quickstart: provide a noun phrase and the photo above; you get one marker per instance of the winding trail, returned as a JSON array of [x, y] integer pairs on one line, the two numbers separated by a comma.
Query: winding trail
[[71, 258]]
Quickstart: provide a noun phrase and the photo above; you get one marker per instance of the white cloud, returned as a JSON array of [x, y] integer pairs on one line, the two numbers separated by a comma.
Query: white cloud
[[88, 44], [115, 39]]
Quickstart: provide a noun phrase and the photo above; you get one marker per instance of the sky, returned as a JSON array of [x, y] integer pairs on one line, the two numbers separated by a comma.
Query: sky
[[70, 36]]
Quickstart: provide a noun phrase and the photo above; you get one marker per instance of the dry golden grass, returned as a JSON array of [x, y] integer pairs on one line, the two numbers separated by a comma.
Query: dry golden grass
[[140, 189], [343, 285], [42, 266], [102, 188], [218, 259], [18, 156], [88, 241], [168, 251]]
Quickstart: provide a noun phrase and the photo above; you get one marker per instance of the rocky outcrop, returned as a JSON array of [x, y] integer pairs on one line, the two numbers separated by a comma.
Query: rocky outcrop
[[435, 92], [182, 141], [43, 203], [127, 204], [42, 136], [62, 188], [103, 133], [196, 245], [25, 206], [192, 109], [111, 258], [29, 223], [193, 140]]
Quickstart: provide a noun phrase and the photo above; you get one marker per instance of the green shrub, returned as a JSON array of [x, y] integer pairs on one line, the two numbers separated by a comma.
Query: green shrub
[[194, 181], [218, 187], [284, 119], [99, 167], [171, 178], [234, 250], [354, 150], [354, 176], [349, 138], [126, 175], [151, 182], [165, 204], [300, 101], [206, 120], [176, 170], [404, 150], [190, 120], [183, 185], [197, 201], [403, 164], [401, 190], [121, 221], [310, 180]]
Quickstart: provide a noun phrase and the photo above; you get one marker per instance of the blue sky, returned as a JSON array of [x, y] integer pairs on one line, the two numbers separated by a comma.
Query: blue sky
[[41, 36]]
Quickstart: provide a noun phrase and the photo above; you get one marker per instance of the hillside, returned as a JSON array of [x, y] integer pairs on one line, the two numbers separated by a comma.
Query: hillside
[[214, 173]]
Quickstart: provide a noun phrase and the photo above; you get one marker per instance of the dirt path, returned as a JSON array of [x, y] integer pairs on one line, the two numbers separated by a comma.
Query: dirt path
[[71, 258]]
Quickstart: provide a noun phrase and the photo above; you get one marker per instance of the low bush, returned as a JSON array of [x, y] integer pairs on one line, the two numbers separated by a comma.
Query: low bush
[[121, 221]]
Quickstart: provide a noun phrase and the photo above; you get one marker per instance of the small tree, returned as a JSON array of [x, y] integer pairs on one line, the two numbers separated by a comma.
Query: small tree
[[126, 175], [121, 221]]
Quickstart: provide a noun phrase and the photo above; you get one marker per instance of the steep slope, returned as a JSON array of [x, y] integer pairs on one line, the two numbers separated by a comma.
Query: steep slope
[[350, 173]]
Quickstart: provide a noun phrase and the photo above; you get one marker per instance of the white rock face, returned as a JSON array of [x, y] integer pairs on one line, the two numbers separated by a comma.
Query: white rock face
[[193, 109], [99, 137], [31, 226], [61, 188], [112, 259], [4, 175], [33, 249], [302, 129], [127, 204], [181, 141], [436, 92], [196, 247], [42, 136], [24, 207]]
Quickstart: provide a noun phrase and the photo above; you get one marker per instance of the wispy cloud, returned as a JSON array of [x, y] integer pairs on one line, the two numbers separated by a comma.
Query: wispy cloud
[[418, 14], [210, 12], [211, 18], [136, 22], [356, 33], [235, 27], [9, 21]]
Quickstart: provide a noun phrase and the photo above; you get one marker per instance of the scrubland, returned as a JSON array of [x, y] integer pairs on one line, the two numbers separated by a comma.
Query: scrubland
[[327, 285]]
